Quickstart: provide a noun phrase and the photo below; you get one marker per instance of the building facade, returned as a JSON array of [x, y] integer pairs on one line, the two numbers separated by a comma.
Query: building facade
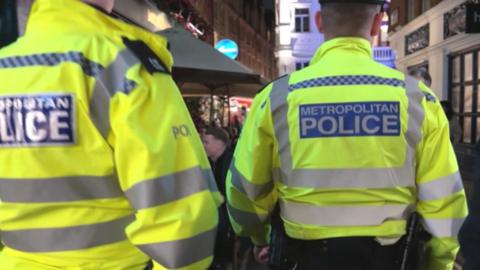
[[246, 22], [297, 34], [298, 37], [8, 22], [432, 34]]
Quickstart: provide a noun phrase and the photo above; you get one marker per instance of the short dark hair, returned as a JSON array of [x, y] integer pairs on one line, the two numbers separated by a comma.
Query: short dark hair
[[423, 74], [219, 134], [374, 2], [348, 19]]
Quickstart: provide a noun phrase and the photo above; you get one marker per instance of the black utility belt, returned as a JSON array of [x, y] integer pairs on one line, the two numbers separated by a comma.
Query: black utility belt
[[345, 243]]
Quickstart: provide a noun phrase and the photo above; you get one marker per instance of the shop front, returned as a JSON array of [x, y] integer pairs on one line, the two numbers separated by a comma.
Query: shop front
[[446, 41]]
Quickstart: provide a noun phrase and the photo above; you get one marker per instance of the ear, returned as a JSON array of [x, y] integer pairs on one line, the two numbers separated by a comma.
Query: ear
[[377, 23], [319, 21], [110, 5]]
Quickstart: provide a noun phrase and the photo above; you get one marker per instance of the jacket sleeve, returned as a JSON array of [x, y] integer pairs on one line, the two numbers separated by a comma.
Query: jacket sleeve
[[250, 190], [164, 172], [440, 194]]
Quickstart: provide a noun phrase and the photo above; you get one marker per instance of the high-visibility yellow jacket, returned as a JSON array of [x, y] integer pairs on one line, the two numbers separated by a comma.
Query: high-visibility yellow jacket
[[99, 158], [348, 147]]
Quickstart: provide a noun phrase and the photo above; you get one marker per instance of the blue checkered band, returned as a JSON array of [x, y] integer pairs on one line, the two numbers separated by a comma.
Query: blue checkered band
[[347, 80], [52, 59], [128, 86]]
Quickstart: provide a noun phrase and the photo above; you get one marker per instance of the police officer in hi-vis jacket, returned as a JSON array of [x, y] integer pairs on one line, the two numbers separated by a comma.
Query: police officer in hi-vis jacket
[[349, 149], [100, 167]]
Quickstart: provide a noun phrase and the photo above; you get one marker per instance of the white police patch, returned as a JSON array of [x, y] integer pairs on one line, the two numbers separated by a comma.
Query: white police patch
[[350, 119], [37, 120]]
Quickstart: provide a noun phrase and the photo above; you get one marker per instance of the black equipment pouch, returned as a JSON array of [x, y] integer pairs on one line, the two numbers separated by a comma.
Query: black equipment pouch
[[281, 257], [277, 241], [415, 244]]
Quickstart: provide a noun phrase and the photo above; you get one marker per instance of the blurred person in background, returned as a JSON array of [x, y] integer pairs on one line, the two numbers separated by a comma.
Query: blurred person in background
[[216, 142], [348, 152], [453, 122], [422, 74]]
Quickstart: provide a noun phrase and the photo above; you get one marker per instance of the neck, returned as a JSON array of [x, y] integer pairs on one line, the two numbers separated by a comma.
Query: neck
[[330, 36], [105, 5]]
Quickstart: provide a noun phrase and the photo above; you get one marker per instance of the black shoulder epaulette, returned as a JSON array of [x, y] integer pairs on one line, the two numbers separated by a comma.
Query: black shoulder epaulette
[[149, 59]]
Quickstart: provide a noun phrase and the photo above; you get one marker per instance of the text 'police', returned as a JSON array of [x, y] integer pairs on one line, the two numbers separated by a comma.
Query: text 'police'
[[44, 119], [350, 119]]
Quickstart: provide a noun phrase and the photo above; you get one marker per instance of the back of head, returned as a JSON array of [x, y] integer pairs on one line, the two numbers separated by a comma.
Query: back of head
[[423, 75], [348, 19], [219, 134]]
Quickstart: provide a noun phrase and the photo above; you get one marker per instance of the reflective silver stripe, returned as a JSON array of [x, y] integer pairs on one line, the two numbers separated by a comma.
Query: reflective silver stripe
[[350, 178], [181, 253], [108, 82], [440, 188], [68, 238], [362, 215], [65, 189], [112, 79], [443, 227], [167, 188], [279, 107], [253, 191], [246, 219], [346, 177], [416, 116], [415, 112]]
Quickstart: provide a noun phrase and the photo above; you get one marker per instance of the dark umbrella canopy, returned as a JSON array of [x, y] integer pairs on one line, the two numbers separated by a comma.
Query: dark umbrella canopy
[[238, 89], [197, 62]]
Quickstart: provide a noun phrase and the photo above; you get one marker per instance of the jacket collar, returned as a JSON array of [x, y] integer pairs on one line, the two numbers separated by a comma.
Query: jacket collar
[[74, 16], [59, 17], [358, 46]]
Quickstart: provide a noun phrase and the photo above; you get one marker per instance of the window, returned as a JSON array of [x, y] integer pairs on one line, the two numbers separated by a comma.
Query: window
[[300, 65], [464, 84], [302, 20]]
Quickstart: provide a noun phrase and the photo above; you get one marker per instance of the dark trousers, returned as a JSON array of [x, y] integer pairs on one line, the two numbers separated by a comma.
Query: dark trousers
[[469, 236], [224, 242], [470, 243], [350, 253]]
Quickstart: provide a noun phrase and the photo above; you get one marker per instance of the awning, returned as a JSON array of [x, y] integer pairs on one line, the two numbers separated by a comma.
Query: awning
[[200, 68]]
